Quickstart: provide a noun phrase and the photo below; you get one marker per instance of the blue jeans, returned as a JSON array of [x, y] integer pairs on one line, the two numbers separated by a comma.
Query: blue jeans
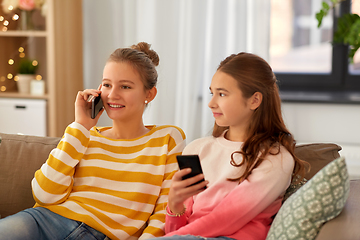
[[191, 237], [42, 224]]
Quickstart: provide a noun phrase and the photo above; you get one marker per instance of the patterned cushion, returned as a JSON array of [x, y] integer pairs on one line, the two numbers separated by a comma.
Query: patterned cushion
[[319, 200]]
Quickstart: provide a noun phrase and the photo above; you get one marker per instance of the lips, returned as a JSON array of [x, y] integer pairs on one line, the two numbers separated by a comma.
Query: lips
[[116, 105], [216, 114]]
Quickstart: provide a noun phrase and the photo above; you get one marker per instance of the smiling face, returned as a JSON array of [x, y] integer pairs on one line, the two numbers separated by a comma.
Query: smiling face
[[229, 107], [123, 92]]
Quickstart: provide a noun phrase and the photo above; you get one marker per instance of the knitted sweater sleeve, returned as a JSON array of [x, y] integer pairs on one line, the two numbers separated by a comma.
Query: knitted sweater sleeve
[[250, 198], [53, 182], [156, 222]]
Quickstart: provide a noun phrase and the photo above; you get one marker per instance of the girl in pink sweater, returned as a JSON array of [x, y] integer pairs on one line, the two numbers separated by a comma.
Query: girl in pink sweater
[[248, 162]]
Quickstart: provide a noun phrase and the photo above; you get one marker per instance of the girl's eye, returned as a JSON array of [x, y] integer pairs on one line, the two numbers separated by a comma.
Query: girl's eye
[[125, 87], [221, 94], [106, 85]]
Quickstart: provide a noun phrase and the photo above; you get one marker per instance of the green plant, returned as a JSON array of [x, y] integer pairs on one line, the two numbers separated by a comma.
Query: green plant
[[27, 66], [347, 29]]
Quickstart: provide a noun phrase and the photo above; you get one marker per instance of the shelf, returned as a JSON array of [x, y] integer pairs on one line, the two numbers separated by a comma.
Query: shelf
[[22, 95], [14, 33]]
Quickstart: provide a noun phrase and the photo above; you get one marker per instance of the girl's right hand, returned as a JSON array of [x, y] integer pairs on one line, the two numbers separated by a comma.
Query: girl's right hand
[[83, 108], [180, 190]]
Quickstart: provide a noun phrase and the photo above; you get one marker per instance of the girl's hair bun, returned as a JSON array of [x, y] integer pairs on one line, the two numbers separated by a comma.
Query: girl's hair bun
[[145, 48]]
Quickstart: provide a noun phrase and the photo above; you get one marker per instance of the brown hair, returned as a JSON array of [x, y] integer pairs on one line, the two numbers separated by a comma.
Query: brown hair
[[267, 130], [142, 58]]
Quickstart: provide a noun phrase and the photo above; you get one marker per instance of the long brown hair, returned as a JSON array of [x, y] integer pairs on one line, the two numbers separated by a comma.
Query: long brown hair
[[267, 130]]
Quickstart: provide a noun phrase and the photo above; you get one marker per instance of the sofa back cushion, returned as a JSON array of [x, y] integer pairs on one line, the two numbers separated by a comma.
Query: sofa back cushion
[[20, 157]]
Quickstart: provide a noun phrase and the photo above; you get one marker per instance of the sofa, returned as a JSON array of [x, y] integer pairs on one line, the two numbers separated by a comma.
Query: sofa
[[22, 155]]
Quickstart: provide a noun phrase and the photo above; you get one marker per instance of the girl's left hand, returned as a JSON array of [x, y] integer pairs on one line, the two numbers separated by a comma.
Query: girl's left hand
[[180, 190], [83, 108]]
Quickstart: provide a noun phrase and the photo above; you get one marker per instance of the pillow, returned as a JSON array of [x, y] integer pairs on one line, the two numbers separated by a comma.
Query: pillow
[[319, 200], [318, 155]]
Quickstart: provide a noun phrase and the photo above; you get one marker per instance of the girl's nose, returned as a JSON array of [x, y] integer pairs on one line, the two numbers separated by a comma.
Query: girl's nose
[[113, 94], [212, 103]]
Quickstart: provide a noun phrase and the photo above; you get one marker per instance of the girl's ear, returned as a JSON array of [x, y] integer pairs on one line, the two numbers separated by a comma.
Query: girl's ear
[[255, 100], [151, 94]]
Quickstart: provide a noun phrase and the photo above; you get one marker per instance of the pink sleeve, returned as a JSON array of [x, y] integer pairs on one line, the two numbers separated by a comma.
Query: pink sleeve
[[250, 198], [174, 223]]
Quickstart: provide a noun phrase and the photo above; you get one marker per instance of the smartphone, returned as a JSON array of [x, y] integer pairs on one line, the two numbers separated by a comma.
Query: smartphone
[[190, 161], [96, 105]]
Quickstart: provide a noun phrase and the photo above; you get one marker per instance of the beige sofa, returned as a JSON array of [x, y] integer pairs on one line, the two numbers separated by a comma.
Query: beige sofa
[[21, 156]]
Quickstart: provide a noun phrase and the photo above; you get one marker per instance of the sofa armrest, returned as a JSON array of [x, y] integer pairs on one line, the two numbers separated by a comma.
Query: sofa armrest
[[20, 157], [346, 225]]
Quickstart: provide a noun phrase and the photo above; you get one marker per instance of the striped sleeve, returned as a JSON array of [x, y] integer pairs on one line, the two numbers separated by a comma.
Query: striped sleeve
[[53, 182], [156, 222]]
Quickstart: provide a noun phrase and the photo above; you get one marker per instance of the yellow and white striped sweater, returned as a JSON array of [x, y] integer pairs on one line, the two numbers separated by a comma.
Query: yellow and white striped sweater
[[118, 187]]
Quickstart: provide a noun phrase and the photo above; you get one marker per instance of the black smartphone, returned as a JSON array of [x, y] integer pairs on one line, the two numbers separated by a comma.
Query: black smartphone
[[96, 105], [190, 161]]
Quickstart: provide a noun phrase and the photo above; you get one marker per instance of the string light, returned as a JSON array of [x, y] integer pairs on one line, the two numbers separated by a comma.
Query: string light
[[38, 77], [34, 63], [4, 29], [11, 61], [10, 8], [9, 76], [22, 55], [15, 17], [6, 23], [1, 18], [21, 49], [16, 78], [2, 79], [3, 89]]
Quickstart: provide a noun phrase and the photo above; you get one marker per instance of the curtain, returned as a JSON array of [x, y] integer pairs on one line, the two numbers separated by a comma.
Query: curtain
[[191, 38]]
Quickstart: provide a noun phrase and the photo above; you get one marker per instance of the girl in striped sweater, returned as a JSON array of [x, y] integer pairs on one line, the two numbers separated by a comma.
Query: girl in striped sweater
[[106, 182]]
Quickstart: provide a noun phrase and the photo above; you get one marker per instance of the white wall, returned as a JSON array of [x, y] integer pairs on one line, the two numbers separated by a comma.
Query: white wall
[[335, 123]]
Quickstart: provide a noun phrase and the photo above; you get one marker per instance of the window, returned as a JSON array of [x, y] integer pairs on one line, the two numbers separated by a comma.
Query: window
[[307, 65]]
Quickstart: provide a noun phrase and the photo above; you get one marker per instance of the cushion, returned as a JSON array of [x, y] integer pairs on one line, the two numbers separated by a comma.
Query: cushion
[[20, 157], [318, 155], [319, 200]]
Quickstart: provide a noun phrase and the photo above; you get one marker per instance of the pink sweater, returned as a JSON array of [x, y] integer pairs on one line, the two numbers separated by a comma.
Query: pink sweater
[[226, 208]]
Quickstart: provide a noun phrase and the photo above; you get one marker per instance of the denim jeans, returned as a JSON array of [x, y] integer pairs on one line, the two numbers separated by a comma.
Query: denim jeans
[[191, 237], [42, 224]]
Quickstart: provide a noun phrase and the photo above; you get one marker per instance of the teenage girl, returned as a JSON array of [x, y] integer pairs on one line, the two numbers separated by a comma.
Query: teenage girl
[[106, 182], [248, 162]]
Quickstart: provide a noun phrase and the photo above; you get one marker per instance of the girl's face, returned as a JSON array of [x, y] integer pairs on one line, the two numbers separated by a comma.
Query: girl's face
[[229, 107], [122, 92]]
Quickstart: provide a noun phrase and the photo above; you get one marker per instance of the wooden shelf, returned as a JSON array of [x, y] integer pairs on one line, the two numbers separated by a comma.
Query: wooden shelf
[[14, 33], [21, 95], [59, 52]]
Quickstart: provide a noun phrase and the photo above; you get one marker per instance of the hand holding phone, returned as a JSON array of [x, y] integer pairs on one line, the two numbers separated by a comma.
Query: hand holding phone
[[190, 161], [96, 105]]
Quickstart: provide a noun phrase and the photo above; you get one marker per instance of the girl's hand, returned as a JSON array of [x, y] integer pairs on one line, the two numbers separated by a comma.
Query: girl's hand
[[83, 108], [180, 190]]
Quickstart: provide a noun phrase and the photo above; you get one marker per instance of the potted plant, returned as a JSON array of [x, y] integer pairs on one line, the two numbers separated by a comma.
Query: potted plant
[[26, 72], [347, 29]]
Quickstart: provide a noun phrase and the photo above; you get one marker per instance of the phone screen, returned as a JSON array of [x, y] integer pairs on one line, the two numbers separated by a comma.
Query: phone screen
[[190, 161], [96, 106]]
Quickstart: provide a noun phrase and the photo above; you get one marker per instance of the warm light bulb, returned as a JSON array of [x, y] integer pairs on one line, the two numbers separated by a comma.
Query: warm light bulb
[[15, 17], [9, 76], [3, 89], [16, 78], [11, 61], [21, 49], [38, 77], [4, 29], [2, 79], [6, 22], [11, 7], [34, 63], [1, 18], [22, 55]]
